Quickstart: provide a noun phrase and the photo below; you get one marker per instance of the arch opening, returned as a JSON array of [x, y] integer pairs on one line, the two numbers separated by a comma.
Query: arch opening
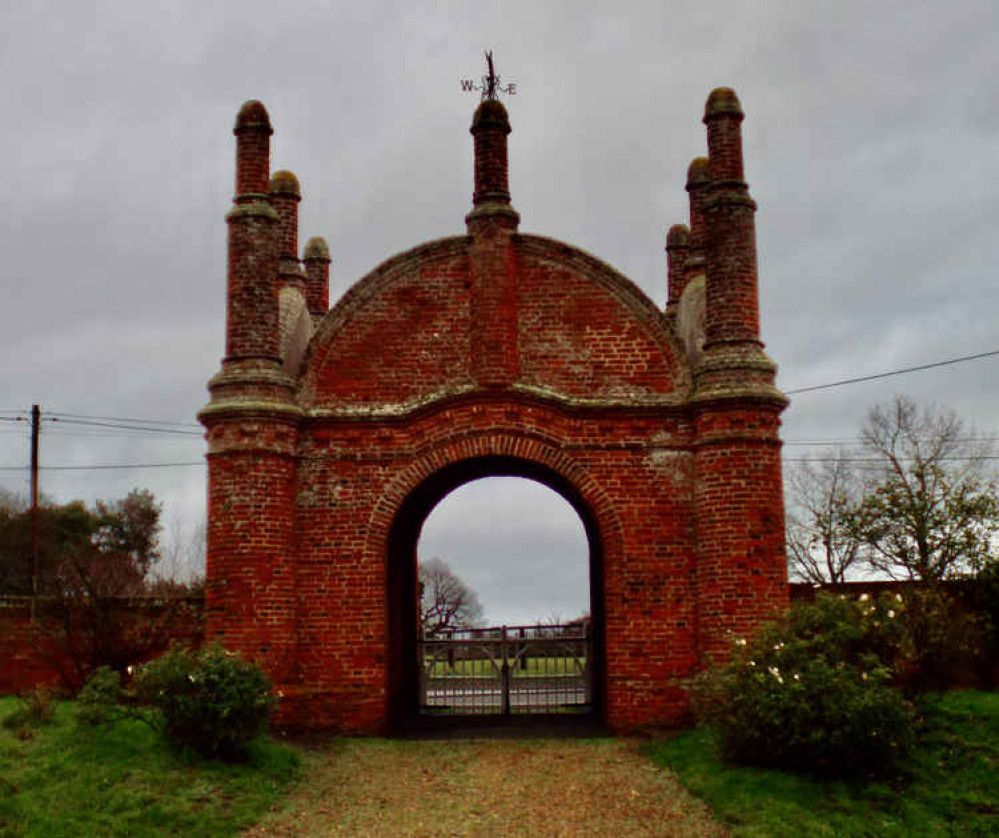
[[404, 654]]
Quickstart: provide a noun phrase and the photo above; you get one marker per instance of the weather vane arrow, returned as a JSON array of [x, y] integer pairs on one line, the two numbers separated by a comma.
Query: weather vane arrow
[[490, 86]]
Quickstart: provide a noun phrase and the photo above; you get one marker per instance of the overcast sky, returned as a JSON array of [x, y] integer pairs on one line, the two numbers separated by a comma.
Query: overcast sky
[[871, 146]]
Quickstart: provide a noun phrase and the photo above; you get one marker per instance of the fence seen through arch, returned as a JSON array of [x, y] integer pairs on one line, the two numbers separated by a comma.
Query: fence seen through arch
[[505, 670]]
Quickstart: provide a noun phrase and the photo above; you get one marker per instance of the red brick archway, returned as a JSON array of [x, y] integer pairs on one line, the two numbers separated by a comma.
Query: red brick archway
[[333, 433], [491, 459]]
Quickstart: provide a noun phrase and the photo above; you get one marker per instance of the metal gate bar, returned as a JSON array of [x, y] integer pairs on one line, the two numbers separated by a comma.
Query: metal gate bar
[[506, 670]]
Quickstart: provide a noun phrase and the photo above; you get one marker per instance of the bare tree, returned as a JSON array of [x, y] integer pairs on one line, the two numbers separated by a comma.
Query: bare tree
[[932, 510], [823, 498], [445, 601], [180, 569], [15, 502]]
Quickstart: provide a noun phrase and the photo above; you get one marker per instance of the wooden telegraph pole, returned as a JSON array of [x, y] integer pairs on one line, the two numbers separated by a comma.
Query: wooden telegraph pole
[[36, 422]]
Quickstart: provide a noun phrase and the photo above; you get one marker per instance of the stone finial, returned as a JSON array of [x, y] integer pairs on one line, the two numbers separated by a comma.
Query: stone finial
[[253, 116], [697, 172], [722, 101], [316, 250], [678, 236], [285, 183]]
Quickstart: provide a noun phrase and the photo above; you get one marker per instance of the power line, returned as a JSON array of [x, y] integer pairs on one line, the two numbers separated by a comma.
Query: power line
[[902, 371], [113, 466], [124, 427], [883, 460], [118, 433], [106, 466], [849, 441], [126, 419]]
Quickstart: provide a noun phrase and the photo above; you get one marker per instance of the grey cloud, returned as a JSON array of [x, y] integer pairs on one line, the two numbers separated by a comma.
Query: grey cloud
[[870, 147]]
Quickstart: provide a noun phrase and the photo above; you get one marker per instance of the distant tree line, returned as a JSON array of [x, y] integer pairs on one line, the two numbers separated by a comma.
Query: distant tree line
[[89, 563], [112, 549]]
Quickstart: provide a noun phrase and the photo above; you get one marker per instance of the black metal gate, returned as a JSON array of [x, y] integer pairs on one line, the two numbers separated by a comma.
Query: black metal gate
[[506, 670]]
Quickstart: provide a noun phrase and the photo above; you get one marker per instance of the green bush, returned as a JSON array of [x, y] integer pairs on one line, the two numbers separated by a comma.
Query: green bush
[[944, 644], [98, 702], [984, 600], [212, 701], [35, 708], [813, 692]]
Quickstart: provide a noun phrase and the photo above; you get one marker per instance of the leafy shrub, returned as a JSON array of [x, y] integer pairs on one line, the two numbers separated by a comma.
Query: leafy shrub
[[98, 702], [813, 691], [984, 599], [944, 643], [212, 701], [35, 708]]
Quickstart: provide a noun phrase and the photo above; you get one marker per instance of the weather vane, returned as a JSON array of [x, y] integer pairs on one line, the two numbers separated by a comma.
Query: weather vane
[[490, 87]]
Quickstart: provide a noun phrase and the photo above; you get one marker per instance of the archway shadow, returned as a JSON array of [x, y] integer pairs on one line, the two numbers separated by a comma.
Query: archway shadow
[[403, 617]]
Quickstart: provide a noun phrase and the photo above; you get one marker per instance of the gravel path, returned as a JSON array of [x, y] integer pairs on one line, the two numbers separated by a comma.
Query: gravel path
[[536, 787]]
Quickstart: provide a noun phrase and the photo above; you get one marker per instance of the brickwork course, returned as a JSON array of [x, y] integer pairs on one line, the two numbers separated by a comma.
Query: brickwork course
[[332, 434]]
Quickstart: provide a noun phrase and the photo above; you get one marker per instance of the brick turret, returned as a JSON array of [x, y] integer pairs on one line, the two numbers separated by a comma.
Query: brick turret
[[251, 420], [733, 311], [285, 195], [491, 223], [742, 571], [698, 181], [491, 195], [677, 251], [253, 151], [317, 276], [251, 299]]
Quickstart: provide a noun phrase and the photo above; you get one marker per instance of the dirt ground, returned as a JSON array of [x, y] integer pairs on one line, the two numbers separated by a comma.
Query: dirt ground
[[536, 787]]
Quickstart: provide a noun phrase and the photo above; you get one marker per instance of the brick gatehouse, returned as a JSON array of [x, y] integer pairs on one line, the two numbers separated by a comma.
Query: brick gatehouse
[[332, 433]]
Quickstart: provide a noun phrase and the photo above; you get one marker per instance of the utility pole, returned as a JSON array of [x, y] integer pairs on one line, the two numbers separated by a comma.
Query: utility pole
[[36, 423]]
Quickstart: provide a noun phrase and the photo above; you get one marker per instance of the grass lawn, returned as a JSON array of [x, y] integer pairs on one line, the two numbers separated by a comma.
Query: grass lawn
[[68, 780], [950, 786], [480, 668]]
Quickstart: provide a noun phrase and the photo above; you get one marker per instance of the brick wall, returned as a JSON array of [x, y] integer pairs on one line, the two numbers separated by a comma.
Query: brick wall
[[34, 651]]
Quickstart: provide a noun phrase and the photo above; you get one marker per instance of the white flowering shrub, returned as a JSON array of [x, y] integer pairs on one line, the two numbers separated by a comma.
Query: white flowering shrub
[[813, 692], [212, 701]]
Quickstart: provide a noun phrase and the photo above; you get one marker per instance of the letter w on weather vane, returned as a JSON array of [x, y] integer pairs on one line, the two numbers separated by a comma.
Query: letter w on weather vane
[[490, 87]]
